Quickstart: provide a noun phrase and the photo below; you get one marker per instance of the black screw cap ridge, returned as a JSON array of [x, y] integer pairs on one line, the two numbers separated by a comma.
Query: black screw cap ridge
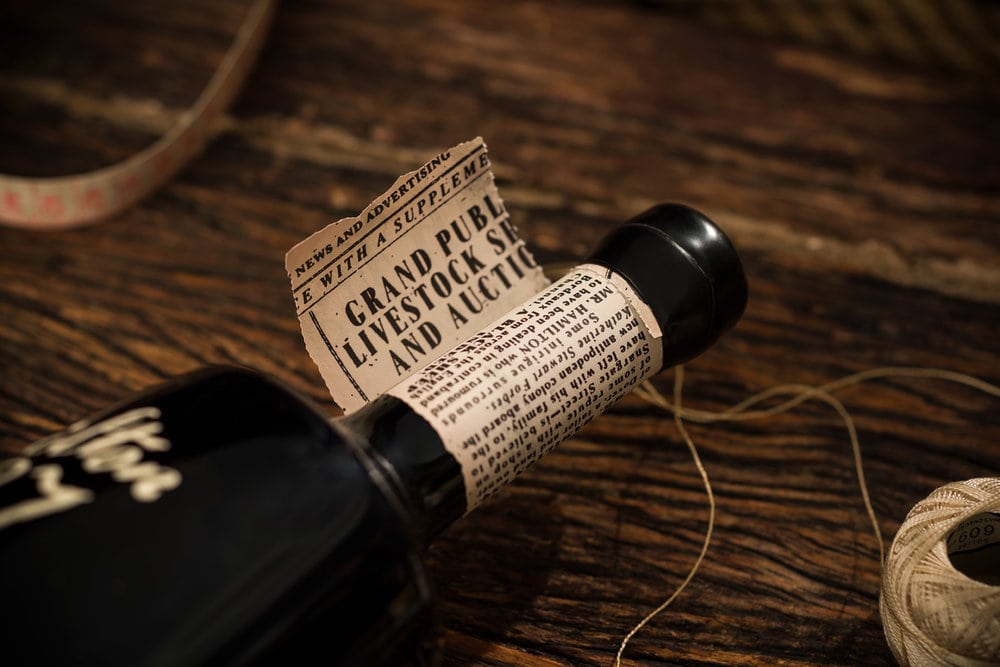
[[685, 269]]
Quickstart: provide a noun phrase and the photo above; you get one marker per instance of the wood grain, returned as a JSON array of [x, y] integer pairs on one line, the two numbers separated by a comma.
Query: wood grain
[[864, 194]]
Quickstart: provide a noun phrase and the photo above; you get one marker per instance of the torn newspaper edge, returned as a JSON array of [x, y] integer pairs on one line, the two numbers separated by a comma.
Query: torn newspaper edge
[[420, 270]]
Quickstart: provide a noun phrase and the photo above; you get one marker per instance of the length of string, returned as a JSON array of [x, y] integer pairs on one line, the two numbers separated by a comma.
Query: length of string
[[742, 412], [678, 386]]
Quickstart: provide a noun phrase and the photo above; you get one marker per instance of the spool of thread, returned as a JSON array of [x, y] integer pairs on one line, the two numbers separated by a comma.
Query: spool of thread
[[933, 612]]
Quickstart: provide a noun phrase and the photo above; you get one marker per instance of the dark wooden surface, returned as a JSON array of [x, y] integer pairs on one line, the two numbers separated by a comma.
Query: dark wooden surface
[[861, 185]]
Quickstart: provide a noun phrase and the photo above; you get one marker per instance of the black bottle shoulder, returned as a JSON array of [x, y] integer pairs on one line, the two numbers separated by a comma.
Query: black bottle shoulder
[[273, 520]]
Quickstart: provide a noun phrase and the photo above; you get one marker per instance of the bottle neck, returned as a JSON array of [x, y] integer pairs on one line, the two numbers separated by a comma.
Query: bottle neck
[[506, 396], [412, 462], [465, 426]]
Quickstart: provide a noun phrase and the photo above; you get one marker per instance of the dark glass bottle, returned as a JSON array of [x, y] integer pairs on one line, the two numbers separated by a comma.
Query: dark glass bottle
[[220, 519]]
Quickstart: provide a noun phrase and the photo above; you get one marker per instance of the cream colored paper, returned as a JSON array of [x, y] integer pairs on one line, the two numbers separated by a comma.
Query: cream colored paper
[[508, 395], [426, 265]]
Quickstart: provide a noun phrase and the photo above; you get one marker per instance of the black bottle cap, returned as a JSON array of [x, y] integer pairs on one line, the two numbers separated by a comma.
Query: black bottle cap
[[685, 269]]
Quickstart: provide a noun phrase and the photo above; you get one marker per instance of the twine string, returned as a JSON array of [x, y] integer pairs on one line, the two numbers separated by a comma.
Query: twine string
[[799, 393], [678, 386]]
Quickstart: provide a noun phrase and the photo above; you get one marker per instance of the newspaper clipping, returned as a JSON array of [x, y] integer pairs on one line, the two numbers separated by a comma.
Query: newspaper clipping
[[508, 395], [424, 267]]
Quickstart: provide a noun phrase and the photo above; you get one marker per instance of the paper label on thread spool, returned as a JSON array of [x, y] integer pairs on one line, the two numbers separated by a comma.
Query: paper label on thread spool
[[508, 395], [427, 264], [979, 531]]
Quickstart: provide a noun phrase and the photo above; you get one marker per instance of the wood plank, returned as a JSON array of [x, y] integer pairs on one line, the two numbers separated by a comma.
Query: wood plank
[[863, 194]]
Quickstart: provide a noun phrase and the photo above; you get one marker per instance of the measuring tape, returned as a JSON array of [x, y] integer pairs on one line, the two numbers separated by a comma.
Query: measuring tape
[[71, 201]]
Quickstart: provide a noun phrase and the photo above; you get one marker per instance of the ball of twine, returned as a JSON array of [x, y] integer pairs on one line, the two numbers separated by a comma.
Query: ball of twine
[[932, 613]]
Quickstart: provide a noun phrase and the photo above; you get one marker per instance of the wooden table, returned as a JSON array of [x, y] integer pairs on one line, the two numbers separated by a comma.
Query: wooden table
[[862, 190]]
